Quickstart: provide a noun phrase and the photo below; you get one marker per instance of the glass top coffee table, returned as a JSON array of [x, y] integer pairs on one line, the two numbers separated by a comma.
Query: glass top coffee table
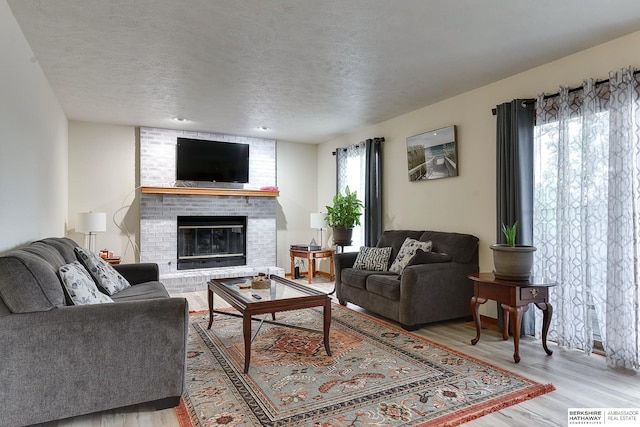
[[282, 295]]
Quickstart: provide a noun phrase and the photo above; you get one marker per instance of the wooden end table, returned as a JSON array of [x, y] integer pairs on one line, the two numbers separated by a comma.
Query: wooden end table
[[283, 295], [311, 257], [514, 297]]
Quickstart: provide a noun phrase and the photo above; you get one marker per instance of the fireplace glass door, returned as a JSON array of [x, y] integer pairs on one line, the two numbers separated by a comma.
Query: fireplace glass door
[[211, 241]]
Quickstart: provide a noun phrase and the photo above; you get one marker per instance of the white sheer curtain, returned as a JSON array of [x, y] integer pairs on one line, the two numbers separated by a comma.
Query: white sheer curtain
[[587, 214], [351, 169]]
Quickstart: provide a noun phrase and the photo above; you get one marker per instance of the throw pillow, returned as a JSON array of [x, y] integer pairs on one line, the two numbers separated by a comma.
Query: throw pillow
[[106, 277], [374, 259], [406, 252], [80, 286]]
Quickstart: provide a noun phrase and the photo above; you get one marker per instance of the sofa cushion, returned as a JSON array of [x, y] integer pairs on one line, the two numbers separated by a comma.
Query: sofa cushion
[[28, 283], [106, 277], [4, 310], [80, 286], [395, 239], [406, 252], [422, 257], [148, 290], [461, 247], [375, 259], [64, 246], [384, 285], [358, 278], [47, 253]]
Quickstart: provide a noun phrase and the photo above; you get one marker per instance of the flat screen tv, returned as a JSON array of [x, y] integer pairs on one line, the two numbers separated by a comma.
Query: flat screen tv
[[214, 161]]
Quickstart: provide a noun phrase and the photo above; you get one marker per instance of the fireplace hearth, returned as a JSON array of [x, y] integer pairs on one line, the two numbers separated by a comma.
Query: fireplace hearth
[[211, 241]]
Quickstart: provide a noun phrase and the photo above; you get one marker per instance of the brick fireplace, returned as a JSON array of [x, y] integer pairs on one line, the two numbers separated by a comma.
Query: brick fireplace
[[159, 211]]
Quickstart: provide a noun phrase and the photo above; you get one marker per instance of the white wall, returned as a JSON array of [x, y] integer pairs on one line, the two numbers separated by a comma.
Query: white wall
[[33, 148], [102, 178], [465, 203], [298, 182], [306, 173]]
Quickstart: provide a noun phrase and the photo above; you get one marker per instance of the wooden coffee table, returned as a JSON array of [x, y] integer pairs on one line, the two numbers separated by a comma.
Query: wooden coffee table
[[283, 295]]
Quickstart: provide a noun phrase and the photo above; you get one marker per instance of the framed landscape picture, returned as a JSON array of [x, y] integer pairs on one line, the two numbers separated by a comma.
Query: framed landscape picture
[[432, 155]]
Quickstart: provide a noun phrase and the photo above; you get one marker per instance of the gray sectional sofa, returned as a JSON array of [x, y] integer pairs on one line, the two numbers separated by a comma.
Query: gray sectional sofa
[[433, 287], [59, 360]]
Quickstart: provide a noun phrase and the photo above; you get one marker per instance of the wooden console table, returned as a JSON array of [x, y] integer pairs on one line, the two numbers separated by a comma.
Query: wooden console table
[[311, 257], [514, 297]]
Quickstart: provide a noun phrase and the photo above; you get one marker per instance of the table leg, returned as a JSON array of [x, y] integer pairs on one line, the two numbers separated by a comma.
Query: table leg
[[312, 266], [327, 325], [332, 274], [292, 266], [246, 331], [475, 311], [515, 326], [505, 324], [210, 300], [547, 312]]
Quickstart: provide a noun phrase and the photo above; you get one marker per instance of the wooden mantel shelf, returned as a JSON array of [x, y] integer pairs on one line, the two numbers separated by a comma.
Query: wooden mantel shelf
[[210, 191]]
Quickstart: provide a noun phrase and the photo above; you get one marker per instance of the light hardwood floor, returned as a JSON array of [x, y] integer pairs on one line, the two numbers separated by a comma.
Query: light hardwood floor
[[581, 381]]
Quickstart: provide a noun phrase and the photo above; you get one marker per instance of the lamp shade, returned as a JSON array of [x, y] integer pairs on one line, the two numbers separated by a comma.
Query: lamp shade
[[318, 221], [91, 222]]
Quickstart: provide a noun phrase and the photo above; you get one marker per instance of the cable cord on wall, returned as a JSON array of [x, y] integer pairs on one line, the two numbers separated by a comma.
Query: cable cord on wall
[[122, 226]]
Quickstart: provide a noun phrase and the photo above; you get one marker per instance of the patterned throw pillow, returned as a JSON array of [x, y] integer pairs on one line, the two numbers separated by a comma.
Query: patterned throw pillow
[[406, 252], [80, 286], [374, 259], [104, 274]]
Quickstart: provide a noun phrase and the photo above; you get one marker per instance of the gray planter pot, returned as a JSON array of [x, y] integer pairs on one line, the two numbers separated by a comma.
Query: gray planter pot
[[513, 262], [342, 236]]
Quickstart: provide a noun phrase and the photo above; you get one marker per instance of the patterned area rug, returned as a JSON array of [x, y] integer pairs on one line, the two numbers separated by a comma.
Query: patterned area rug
[[378, 375]]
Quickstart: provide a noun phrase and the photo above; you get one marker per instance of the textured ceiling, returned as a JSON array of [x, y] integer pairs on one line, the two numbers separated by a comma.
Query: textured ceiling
[[309, 70]]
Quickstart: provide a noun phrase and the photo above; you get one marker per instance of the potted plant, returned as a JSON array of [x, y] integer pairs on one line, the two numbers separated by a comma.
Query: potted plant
[[343, 216], [512, 261]]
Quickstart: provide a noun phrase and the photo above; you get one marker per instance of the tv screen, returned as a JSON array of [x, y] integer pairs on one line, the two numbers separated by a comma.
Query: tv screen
[[201, 160]]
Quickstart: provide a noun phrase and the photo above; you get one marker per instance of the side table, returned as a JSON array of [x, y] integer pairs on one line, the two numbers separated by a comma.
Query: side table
[[514, 297], [311, 257]]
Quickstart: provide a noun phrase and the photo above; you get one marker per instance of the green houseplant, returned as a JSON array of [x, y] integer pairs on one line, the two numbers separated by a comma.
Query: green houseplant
[[510, 233], [344, 215], [512, 261]]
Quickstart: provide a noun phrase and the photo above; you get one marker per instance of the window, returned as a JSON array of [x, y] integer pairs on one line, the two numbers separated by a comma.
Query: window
[[586, 222], [351, 172]]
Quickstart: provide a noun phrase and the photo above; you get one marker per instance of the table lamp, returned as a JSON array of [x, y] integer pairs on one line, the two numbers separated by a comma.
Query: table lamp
[[90, 223], [318, 221]]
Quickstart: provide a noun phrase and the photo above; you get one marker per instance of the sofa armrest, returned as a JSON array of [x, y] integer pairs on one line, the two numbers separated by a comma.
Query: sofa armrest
[[437, 291], [82, 359], [139, 273], [344, 260]]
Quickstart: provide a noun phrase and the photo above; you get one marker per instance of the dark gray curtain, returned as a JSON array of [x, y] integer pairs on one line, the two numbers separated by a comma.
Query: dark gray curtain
[[373, 193], [514, 178]]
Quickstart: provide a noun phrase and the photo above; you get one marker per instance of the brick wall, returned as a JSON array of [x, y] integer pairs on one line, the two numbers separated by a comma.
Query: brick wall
[[159, 212]]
